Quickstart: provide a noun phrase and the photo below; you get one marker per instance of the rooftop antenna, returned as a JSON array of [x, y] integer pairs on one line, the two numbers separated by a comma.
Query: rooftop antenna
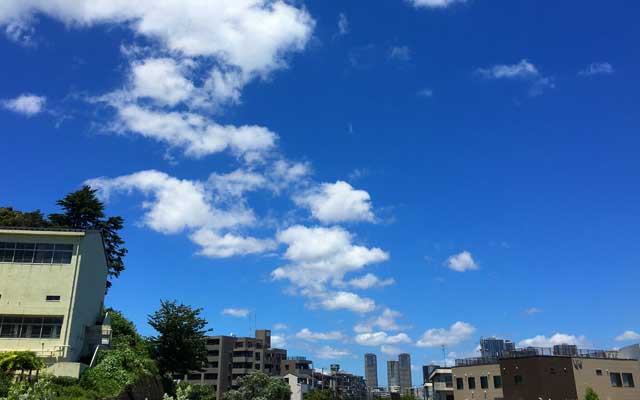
[[444, 357]]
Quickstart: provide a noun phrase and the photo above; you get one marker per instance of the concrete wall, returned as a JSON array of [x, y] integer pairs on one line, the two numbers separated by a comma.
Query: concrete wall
[[476, 372], [542, 377], [585, 372], [80, 285]]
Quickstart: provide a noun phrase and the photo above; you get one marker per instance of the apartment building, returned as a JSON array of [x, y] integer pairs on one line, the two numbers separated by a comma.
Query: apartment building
[[494, 347], [535, 373], [52, 287], [404, 373], [371, 370], [229, 358], [393, 376], [439, 383], [345, 385]]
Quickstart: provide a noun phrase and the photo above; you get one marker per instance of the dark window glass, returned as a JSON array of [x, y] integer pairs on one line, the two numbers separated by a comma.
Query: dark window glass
[[484, 382], [599, 372], [517, 379], [30, 326], [40, 253], [471, 381], [53, 298], [194, 377], [210, 377], [627, 380], [616, 379], [497, 382]]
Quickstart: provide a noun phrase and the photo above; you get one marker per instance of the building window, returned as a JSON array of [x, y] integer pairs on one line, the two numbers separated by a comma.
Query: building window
[[213, 342], [210, 377], [616, 379], [484, 382], [36, 253], [27, 326], [471, 381], [459, 383], [194, 377], [497, 382], [627, 380], [213, 364], [517, 379], [257, 356], [213, 353], [256, 367], [599, 372], [53, 298]]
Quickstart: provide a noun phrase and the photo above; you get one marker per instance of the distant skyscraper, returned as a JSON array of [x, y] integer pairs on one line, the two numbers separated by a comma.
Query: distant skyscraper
[[393, 377], [404, 364], [371, 370], [493, 347]]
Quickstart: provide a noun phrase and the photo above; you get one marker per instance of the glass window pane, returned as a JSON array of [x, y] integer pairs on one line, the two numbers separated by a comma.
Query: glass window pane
[[23, 256], [64, 247], [62, 257], [44, 246], [6, 255], [26, 246], [43, 257]]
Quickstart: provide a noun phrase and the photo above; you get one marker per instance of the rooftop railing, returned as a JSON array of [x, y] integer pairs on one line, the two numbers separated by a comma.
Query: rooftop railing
[[558, 351]]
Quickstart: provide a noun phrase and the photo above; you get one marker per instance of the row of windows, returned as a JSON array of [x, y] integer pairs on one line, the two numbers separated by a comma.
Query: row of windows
[[621, 379], [35, 253], [484, 382], [34, 327]]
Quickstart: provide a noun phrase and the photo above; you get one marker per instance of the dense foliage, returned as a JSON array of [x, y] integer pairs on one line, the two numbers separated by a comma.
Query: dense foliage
[[185, 391], [179, 346], [81, 210], [591, 395], [259, 386], [325, 394]]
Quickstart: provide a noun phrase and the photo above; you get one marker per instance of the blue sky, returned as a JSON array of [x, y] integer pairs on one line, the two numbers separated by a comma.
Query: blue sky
[[378, 177]]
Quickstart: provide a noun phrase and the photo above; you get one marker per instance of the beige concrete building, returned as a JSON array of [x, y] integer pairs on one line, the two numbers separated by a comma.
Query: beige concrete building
[[229, 358], [477, 382], [52, 287]]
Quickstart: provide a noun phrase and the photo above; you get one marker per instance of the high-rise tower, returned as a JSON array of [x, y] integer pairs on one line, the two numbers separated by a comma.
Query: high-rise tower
[[404, 368], [371, 370]]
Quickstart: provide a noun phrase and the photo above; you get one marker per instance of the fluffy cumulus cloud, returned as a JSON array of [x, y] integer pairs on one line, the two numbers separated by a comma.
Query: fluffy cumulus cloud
[[174, 205], [458, 332], [461, 262], [435, 3], [25, 104], [558, 338], [400, 53], [523, 70], [278, 341], [385, 321], [197, 135], [627, 336], [307, 334], [236, 312], [602, 68], [337, 202], [381, 338], [331, 353], [370, 281], [161, 79]]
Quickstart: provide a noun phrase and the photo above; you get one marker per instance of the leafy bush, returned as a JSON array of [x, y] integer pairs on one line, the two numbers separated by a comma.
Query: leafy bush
[[40, 390], [186, 391]]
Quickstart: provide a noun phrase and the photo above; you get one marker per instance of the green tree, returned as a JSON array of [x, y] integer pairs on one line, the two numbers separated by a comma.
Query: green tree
[[123, 331], [25, 361], [15, 218], [591, 395], [83, 210], [179, 346], [259, 386], [325, 394]]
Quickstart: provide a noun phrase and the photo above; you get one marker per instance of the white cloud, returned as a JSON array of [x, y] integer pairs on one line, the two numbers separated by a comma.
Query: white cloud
[[278, 341], [532, 311], [370, 281], [307, 334], [603, 68], [161, 79], [426, 92], [20, 33], [400, 53], [337, 202], [236, 312], [461, 262], [628, 335], [219, 246], [322, 255], [280, 327], [380, 338], [26, 104], [345, 301], [558, 338], [457, 333], [252, 35], [197, 135], [385, 321], [343, 24], [523, 69], [237, 182], [435, 3], [330, 353]]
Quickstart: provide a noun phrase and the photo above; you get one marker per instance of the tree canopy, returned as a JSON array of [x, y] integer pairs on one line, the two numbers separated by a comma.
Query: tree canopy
[[590, 394], [259, 386], [179, 346], [80, 210]]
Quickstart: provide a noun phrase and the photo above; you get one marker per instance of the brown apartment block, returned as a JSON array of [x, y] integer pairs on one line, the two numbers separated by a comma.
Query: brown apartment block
[[477, 382], [535, 374], [230, 358], [567, 378]]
